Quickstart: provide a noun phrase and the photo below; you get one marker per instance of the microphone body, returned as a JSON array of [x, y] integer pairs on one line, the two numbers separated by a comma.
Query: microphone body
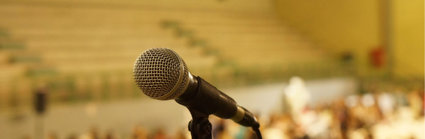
[[204, 97]]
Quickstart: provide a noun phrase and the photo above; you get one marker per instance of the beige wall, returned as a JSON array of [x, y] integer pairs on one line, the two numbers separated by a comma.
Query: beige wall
[[357, 26], [408, 29]]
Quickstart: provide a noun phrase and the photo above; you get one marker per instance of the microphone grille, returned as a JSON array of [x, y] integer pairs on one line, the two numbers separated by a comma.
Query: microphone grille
[[161, 74]]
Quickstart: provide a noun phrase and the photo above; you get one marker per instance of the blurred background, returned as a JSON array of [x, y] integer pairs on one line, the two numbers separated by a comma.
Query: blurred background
[[307, 68]]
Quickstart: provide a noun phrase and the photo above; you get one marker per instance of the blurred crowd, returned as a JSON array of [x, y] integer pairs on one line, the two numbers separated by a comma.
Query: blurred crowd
[[379, 115], [375, 115], [367, 116]]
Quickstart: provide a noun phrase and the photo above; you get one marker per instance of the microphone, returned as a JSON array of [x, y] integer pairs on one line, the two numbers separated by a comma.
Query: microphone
[[161, 74]]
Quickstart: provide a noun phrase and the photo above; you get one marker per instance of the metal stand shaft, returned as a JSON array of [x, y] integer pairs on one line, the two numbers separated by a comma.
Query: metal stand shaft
[[199, 126]]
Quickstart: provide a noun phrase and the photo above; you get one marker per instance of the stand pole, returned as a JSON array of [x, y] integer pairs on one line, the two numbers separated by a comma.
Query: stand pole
[[199, 126]]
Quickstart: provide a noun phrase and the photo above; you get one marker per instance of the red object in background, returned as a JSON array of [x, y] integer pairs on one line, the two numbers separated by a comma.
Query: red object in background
[[377, 57]]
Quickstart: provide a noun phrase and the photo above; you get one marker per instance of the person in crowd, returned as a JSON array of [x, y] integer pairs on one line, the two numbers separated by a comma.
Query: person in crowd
[[181, 134], [139, 132], [159, 134], [111, 135], [220, 131], [72, 136], [94, 133], [52, 135]]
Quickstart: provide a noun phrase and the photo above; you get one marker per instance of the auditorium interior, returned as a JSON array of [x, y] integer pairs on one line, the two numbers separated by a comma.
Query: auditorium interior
[[321, 69]]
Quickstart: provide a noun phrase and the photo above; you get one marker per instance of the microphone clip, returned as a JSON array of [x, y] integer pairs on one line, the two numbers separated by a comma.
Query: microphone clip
[[199, 127]]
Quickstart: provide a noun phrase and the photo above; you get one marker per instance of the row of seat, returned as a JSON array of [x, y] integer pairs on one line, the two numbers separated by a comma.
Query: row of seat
[[234, 6], [89, 43]]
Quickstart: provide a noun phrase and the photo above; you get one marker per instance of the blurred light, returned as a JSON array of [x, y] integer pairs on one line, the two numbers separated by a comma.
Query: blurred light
[[386, 103], [368, 100], [351, 101]]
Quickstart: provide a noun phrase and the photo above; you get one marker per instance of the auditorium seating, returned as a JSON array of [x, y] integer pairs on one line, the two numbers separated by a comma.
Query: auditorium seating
[[93, 44]]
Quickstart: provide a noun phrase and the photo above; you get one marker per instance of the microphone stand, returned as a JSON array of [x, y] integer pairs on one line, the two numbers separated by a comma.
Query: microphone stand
[[199, 126]]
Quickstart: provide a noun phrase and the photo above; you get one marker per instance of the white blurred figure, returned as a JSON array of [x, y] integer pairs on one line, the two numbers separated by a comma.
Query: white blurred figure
[[319, 126], [360, 133], [368, 100], [386, 104], [297, 96], [275, 129], [403, 125], [274, 133], [351, 101], [371, 113]]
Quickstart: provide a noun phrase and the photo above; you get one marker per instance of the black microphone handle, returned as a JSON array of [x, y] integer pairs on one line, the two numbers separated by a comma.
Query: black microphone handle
[[204, 97]]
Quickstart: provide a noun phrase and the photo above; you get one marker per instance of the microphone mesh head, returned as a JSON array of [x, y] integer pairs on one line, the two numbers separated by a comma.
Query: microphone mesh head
[[161, 74]]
